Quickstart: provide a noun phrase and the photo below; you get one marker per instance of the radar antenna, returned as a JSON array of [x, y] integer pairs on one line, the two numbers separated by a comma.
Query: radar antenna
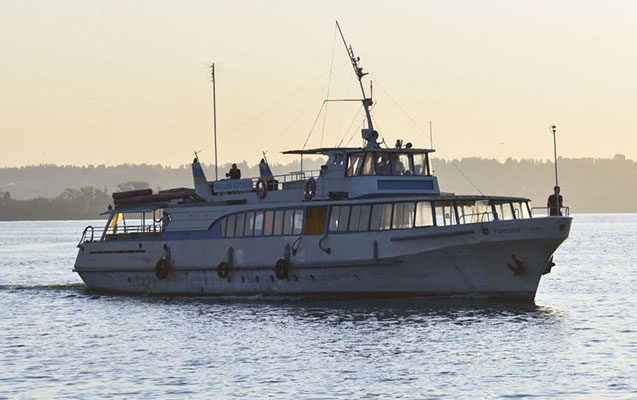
[[369, 134]]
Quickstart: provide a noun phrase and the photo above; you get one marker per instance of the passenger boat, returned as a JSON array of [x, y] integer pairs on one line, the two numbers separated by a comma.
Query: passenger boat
[[371, 222]]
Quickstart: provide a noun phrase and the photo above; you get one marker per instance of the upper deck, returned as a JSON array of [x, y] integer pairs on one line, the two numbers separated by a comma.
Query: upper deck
[[349, 173]]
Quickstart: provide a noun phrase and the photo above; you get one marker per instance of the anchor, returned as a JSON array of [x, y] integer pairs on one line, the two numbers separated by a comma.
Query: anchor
[[517, 267], [549, 266]]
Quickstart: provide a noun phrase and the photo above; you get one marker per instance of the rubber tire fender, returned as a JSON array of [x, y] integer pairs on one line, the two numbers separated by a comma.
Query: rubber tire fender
[[223, 270], [282, 269], [162, 268]]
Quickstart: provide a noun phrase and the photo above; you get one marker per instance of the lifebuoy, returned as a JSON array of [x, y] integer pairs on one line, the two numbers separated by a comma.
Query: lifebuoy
[[310, 189], [162, 268], [261, 188], [223, 270], [282, 268]]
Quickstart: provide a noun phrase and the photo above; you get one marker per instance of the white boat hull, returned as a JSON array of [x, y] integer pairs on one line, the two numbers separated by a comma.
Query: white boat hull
[[500, 258]]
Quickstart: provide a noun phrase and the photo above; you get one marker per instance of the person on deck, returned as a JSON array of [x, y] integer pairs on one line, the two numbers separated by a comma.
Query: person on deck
[[235, 173], [555, 205]]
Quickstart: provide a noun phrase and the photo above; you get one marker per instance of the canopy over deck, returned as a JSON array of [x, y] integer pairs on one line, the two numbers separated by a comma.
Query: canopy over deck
[[327, 150]]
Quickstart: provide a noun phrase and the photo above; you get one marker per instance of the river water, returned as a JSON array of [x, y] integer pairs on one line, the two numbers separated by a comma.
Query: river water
[[579, 339]]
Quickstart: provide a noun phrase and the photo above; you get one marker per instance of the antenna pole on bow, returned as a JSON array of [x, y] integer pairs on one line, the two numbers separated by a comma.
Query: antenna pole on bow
[[214, 116]]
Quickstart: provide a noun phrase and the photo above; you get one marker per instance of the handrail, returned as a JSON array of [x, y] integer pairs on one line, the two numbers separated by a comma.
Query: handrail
[[82, 239], [135, 229], [482, 216], [563, 211]]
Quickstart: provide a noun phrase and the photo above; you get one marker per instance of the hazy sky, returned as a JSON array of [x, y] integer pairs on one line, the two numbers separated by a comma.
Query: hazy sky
[[90, 82]]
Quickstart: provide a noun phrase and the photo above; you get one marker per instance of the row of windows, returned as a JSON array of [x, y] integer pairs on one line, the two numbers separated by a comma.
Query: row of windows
[[383, 163], [407, 215], [267, 223], [373, 217]]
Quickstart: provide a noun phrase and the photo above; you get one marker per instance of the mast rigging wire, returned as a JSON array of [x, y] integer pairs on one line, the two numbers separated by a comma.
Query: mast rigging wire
[[275, 104], [430, 138], [329, 83]]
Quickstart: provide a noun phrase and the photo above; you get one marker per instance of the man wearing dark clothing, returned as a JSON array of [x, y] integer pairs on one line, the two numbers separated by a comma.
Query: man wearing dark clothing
[[554, 204], [235, 173]]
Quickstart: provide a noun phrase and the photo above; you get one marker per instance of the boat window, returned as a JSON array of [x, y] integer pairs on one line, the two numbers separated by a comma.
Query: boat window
[[368, 165], [338, 218], [382, 164], [483, 210], [401, 164], [354, 163], [403, 216], [424, 216], [249, 229], [278, 222], [315, 220], [223, 227], [258, 223], [421, 164], [467, 213], [239, 228], [298, 222], [381, 217], [269, 223], [359, 218], [520, 210], [230, 226], [504, 211], [338, 159], [445, 214], [354, 218], [288, 220]]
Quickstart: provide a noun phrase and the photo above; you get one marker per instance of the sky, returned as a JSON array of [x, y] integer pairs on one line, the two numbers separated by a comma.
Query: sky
[[111, 82]]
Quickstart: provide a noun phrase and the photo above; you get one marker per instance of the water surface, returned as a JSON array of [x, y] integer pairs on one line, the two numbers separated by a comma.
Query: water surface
[[579, 339]]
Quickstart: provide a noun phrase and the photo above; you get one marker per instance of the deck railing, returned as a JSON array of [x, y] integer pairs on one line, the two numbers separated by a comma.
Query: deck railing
[[546, 211]]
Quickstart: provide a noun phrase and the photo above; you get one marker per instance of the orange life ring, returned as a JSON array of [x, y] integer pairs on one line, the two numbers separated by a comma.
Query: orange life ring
[[261, 188]]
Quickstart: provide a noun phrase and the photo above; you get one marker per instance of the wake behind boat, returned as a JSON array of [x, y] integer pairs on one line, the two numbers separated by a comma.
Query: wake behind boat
[[371, 222]]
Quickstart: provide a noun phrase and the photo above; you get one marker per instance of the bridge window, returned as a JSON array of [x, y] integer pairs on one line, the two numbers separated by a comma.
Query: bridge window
[[401, 164], [354, 163], [368, 165], [383, 166], [421, 164], [424, 215]]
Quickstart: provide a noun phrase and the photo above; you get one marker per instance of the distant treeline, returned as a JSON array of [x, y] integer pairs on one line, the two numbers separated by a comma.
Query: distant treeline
[[70, 192]]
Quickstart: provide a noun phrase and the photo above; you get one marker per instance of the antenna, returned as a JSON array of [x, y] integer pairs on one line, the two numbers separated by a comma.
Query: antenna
[[431, 145], [214, 115], [369, 134], [557, 193]]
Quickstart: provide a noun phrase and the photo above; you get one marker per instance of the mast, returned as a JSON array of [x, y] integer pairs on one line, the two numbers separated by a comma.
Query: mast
[[369, 134], [214, 115], [557, 192]]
